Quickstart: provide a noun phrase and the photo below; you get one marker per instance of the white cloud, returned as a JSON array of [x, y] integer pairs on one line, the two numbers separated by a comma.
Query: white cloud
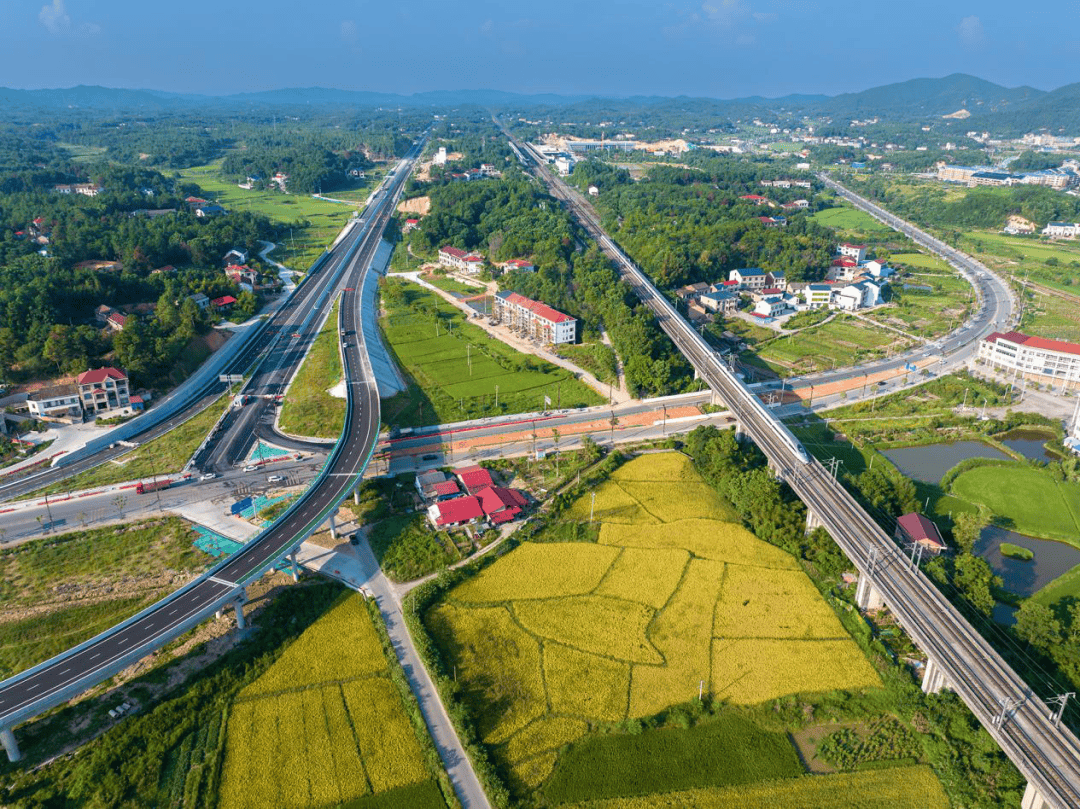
[[57, 21], [765, 16], [487, 28], [726, 13], [55, 18], [348, 30], [970, 31]]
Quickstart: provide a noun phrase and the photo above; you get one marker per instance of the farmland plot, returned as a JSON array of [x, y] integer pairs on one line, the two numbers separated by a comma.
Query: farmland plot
[[324, 725], [556, 637]]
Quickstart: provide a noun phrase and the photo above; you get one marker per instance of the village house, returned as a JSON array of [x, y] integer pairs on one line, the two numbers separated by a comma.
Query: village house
[[722, 303], [57, 402], [914, 528], [854, 251], [536, 320], [749, 278], [235, 256], [518, 265], [103, 389], [1019, 226], [691, 291], [454, 258], [1061, 230]]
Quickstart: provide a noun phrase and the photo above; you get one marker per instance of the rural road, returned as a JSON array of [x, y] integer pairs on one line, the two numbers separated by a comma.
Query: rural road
[[453, 756]]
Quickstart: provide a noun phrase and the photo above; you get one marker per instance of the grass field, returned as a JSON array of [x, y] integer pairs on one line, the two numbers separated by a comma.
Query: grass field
[[1054, 317], [850, 220], [838, 343], [308, 409], [1065, 586], [1030, 499], [406, 549], [325, 726], [895, 788], [57, 592], [674, 594], [596, 358], [161, 456], [458, 370], [315, 222]]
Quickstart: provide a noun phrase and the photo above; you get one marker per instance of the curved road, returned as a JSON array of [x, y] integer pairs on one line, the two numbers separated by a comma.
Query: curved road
[[54, 681]]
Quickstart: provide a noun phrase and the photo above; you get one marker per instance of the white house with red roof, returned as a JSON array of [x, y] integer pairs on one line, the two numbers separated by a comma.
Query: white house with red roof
[[454, 258], [103, 389], [915, 528], [518, 265], [1037, 359], [757, 199], [534, 319], [458, 511], [410, 224], [501, 505]]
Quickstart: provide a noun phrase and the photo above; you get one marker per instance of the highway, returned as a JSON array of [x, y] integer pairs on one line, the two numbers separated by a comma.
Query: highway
[[1048, 756], [57, 680], [192, 398]]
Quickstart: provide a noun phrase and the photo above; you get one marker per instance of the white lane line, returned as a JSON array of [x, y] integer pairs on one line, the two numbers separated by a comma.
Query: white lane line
[[216, 580]]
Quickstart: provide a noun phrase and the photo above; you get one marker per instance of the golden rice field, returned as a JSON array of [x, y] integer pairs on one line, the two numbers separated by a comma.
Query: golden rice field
[[913, 787], [554, 636], [324, 725]]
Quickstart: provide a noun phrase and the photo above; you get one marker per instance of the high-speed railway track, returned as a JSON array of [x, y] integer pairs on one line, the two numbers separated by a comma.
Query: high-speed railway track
[[53, 682], [1048, 755]]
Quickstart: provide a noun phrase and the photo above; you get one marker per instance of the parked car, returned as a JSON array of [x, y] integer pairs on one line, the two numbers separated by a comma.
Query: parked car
[[250, 468], [208, 476], [275, 479]]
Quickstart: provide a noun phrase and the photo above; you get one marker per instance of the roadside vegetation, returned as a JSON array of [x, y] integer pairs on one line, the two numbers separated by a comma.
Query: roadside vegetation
[[58, 591], [308, 408]]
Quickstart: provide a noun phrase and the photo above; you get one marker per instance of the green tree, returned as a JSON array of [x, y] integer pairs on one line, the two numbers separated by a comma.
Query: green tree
[[966, 530], [1036, 624]]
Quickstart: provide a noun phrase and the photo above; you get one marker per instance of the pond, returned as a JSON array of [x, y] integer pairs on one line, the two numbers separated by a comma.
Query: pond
[[1052, 559], [930, 463], [1029, 443]]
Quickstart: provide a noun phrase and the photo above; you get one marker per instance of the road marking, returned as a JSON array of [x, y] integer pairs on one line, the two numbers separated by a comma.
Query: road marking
[[95, 655], [216, 580]]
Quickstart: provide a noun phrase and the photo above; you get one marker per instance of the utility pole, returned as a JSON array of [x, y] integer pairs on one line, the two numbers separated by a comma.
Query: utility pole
[[1060, 700], [592, 507], [1006, 705], [963, 406], [496, 397]]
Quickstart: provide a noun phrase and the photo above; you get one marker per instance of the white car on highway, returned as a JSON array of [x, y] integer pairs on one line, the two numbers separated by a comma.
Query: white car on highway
[[275, 479]]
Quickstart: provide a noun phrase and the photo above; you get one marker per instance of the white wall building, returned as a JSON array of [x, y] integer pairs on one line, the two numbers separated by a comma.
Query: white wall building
[[534, 319], [460, 260], [1061, 230], [57, 402], [1037, 359], [750, 278]]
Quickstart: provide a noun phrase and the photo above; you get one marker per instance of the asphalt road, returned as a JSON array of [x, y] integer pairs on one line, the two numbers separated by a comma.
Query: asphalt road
[[54, 681], [1048, 756]]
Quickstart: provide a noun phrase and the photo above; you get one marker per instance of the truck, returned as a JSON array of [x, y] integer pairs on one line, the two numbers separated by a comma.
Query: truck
[[157, 485]]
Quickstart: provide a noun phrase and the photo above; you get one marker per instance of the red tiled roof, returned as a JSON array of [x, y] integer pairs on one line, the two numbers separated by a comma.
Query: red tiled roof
[[224, 300], [445, 488], [920, 528], [135, 399], [118, 319], [412, 221], [458, 510], [518, 262], [730, 283], [474, 477], [495, 499], [772, 291], [752, 196], [99, 375], [856, 246], [1041, 343], [539, 309], [453, 251]]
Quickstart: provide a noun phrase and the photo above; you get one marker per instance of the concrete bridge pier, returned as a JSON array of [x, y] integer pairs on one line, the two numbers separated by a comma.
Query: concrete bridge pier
[[933, 680], [1032, 799], [812, 521], [740, 433], [295, 567], [867, 597], [7, 738], [356, 495], [238, 608], [333, 526]]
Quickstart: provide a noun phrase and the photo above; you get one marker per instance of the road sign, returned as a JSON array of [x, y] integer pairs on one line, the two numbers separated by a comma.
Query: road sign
[[230, 379], [240, 505]]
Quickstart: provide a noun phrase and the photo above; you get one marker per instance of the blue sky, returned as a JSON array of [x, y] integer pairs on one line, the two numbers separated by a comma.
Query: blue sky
[[720, 48]]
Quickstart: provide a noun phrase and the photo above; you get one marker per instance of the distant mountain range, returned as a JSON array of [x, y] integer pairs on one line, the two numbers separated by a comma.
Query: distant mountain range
[[984, 104]]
